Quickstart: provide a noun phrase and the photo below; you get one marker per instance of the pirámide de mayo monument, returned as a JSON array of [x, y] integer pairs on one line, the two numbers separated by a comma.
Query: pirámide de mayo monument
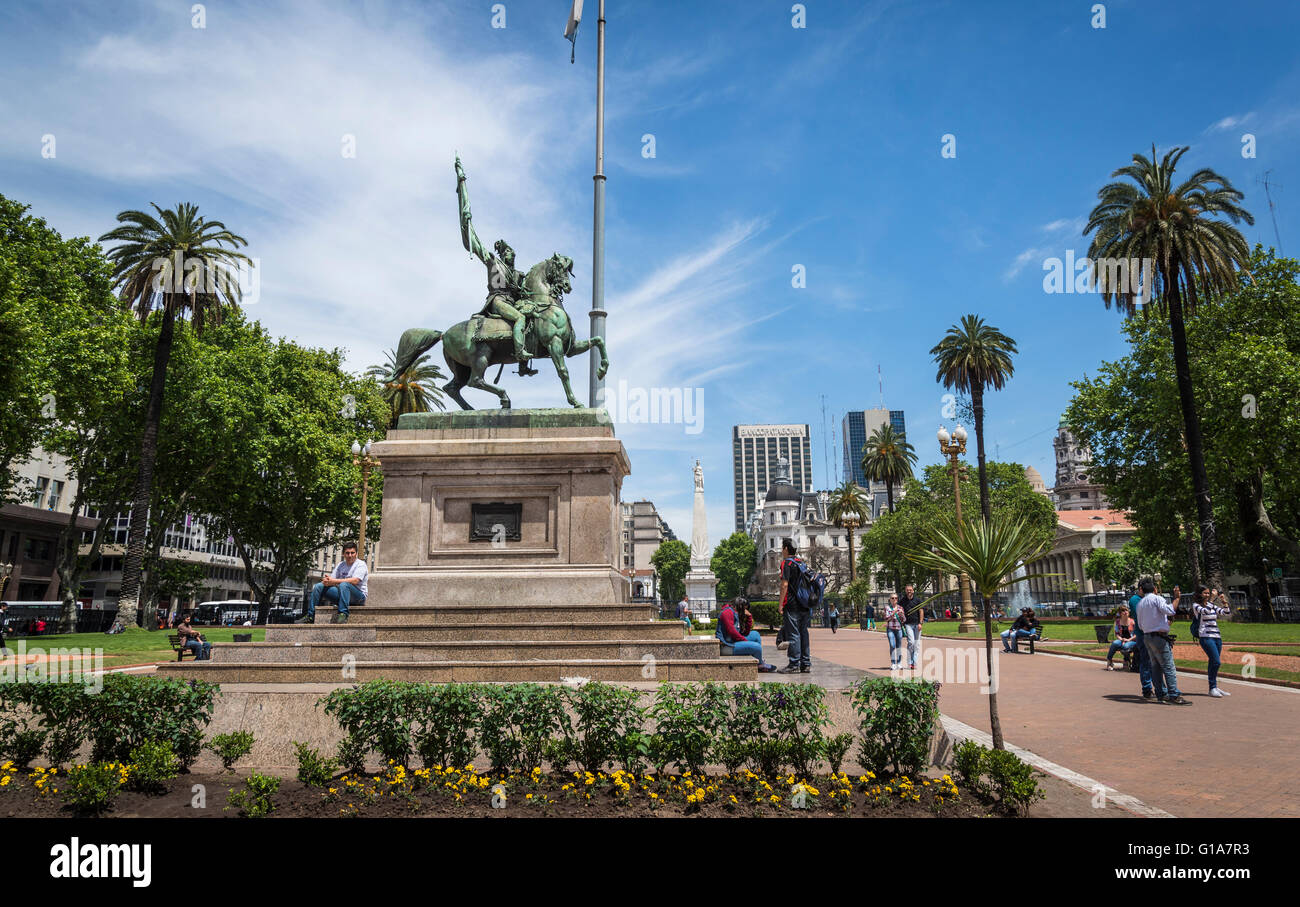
[[501, 527]]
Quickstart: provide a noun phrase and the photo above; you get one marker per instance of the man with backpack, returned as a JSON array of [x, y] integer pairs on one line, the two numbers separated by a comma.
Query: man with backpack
[[801, 592]]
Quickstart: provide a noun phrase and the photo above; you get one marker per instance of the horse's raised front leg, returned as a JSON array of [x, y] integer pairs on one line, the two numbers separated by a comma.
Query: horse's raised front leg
[[477, 367], [557, 356], [578, 347]]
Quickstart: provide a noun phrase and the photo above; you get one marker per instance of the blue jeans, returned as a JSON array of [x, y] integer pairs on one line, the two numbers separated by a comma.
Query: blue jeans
[[1163, 673], [1213, 647], [202, 649], [752, 645], [1010, 638], [797, 624], [1144, 660], [344, 594], [913, 643], [1124, 645], [895, 644]]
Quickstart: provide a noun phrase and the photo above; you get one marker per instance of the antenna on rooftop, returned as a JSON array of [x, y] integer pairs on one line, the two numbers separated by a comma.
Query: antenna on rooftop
[[1272, 208]]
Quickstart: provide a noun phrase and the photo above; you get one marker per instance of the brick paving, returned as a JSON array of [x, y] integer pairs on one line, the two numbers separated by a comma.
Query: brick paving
[[1238, 756]]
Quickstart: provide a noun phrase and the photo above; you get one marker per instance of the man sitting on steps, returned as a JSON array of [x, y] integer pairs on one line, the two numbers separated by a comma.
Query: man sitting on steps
[[347, 585]]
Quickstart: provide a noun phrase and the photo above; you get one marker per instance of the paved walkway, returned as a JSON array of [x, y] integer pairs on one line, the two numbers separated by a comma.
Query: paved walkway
[[1238, 756]]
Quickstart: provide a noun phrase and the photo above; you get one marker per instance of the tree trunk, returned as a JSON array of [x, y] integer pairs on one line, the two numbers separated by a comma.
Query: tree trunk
[[995, 724], [977, 404], [1250, 509], [128, 601], [1192, 432]]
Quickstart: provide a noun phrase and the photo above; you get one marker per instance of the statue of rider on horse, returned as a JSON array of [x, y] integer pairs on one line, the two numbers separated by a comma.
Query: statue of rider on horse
[[522, 319]]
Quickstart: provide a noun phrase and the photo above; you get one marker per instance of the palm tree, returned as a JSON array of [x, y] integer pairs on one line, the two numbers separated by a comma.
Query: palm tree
[[989, 552], [1175, 230], [970, 358], [849, 506], [888, 458], [177, 263], [413, 391]]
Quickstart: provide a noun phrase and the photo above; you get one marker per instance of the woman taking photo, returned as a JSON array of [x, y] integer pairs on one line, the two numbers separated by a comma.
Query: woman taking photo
[[894, 618], [1207, 611]]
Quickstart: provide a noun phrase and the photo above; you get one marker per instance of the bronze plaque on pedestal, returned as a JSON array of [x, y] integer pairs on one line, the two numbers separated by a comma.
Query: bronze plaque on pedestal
[[499, 521]]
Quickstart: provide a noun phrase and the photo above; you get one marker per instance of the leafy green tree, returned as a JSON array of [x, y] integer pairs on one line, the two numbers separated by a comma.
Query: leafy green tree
[[170, 578], [1121, 569], [733, 563], [989, 552], [671, 560], [178, 263], [973, 356], [930, 500], [1195, 257], [888, 458], [414, 390], [849, 507], [1244, 349], [289, 487]]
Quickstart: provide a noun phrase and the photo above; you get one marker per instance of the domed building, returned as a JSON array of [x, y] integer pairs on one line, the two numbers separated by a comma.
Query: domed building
[[786, 512]]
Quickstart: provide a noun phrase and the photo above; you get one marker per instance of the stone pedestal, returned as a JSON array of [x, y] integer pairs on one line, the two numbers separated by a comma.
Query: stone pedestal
[[541, 485]]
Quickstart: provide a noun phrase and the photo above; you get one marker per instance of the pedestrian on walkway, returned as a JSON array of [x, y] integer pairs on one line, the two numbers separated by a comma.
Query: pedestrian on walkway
[[834, 618], [1144, 661], [1153, 617], [894, 617], [914, 622], [1205, 627], [798, 620]]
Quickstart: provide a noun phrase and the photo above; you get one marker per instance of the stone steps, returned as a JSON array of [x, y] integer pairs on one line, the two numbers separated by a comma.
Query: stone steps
[[728, 668], [520, 615], [356, 631], [334, 652]]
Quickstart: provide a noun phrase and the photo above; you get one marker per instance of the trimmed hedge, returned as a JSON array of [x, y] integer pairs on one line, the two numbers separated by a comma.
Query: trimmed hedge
[[769, 728]]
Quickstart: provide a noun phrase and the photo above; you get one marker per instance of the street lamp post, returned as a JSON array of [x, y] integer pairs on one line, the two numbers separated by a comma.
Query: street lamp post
[[952, 448], [361, 457], [6, 570]]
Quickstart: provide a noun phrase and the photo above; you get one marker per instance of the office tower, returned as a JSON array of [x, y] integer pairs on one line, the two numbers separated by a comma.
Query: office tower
[[755, 450], [860, 425]]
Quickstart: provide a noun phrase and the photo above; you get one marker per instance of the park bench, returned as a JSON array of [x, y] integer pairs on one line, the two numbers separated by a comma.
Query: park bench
[[1103, 638], [1037, 637], [179, 649]]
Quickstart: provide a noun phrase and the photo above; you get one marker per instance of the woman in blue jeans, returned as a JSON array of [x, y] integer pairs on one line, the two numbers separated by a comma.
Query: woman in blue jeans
[[1208, 611], [894, 617]]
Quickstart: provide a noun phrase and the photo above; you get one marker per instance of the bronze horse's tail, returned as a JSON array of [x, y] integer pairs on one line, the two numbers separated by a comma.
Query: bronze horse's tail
[[414, 342]]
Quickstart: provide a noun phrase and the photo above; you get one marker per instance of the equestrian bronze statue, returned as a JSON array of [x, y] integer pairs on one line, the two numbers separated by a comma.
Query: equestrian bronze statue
[[522, 319]]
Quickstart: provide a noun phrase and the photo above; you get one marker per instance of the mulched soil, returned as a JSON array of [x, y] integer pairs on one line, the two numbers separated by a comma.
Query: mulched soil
[[412, 796]]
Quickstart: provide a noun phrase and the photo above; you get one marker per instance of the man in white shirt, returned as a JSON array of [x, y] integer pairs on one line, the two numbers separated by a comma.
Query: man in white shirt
[[1153, 614], [347, 586]]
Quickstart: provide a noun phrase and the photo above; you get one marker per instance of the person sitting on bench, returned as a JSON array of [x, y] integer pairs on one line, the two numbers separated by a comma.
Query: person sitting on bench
[[733, 630], [1026, 625], [1125, 641], [347, 585], [193, 640]]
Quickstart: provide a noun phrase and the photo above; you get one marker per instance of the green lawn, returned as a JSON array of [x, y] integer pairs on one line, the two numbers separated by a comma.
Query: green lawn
[[1083, 632], [132, 647], [1232, 670]]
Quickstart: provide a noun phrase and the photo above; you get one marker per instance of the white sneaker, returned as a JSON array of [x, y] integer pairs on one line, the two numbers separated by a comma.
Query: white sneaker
[[1216, 694], [1222, 692], [1110, 667]]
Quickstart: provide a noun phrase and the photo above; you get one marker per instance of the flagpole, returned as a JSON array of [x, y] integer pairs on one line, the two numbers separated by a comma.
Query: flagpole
[[598, 217]]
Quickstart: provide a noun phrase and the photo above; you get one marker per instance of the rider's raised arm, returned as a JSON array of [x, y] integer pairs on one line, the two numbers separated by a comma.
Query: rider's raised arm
[[467, 235]]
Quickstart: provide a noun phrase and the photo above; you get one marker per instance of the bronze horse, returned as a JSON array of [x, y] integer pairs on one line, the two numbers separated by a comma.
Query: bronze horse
[[472, 346]]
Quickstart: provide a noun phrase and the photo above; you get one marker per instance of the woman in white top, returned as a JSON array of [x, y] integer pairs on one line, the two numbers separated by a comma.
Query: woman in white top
[[1208, 610]]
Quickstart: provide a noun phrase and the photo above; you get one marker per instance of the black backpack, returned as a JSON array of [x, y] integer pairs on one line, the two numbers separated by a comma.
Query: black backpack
[[807, 587]]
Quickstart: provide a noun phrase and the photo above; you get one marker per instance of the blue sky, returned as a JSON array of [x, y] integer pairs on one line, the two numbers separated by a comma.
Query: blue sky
[[774, 147]]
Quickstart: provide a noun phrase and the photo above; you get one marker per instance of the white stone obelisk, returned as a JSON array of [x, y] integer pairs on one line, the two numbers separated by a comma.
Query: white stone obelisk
[[701, 584]]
